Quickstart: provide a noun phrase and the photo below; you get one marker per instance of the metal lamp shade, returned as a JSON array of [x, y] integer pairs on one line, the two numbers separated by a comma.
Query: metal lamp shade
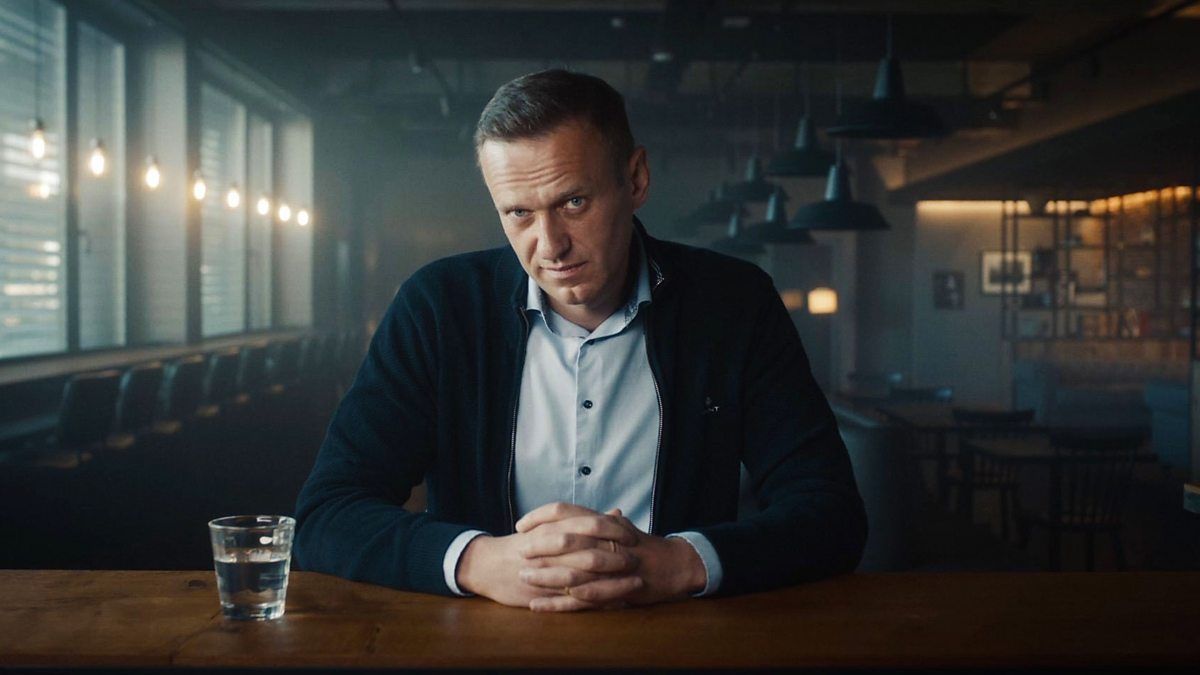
[[838, 211], [754, 188], [889, 114], [735, 241], [775, 230], [805, 158]]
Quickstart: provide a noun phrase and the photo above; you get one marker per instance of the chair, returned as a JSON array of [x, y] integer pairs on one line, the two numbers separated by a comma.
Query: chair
[[1090, 483], [283, 357], [89, 406], [251, 372], [921, 394], [181, 393], [977, 471], [138, 393], [220, 381]]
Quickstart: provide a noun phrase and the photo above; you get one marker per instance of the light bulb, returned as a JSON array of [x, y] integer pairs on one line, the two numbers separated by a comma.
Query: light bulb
[[302, 217], [199, 187], [233, 198], [97, 162], [263, 206], [40, 190], [152, 177], [285, 212], [37, 139], [822, 301]]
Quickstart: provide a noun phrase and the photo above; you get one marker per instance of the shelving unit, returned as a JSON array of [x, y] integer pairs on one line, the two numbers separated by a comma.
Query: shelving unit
[[1115, 269]]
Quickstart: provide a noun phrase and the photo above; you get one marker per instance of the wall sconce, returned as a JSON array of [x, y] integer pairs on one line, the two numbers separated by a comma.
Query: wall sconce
[[822, 301]]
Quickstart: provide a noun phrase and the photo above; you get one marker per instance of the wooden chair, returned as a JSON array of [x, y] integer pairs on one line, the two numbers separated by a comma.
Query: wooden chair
[[1090, 484], [977, 471]]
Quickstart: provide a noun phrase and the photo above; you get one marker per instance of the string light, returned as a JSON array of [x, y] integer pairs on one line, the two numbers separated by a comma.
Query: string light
[[97, 161], [199, 187], [285, 212], [233, 198], [37, 139], [263, 206], [40, 190], [302, 218], [152, 177]]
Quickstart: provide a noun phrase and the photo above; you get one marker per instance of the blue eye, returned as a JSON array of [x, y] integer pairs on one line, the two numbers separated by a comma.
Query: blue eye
[[518, 213], [575, 202]]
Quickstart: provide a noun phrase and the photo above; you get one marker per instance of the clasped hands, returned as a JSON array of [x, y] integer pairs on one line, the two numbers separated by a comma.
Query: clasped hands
[[564, 557]]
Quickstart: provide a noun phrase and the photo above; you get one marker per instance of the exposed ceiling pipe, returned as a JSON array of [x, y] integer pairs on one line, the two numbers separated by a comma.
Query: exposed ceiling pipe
[[1118, 34]]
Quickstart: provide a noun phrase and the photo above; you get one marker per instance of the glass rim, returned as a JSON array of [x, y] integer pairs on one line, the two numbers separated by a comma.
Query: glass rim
[[254, 522]]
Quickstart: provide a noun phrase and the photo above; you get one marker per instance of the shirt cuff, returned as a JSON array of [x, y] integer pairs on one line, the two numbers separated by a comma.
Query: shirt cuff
[[450, 562], [708, 557]]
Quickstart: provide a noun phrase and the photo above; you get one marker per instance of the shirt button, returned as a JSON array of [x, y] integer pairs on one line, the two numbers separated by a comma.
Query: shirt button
[[586, 470], [588, 404]]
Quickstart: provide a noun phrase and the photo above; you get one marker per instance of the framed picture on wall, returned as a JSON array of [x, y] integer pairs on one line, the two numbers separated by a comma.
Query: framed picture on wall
[[1005, 272], [948, 289]]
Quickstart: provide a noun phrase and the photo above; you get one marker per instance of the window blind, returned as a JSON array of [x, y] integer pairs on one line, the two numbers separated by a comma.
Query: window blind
[[32, 190]]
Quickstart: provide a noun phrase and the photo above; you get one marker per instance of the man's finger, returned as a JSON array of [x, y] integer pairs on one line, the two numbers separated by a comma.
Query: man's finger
[[556, 577], [559, 603], [549, 513], [602, 594], [598, 560], [575, 534]]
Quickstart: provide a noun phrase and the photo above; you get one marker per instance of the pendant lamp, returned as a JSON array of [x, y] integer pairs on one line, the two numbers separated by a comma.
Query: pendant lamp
[[754, 188], [805, 158], [735, 241], [717, 209], [838, 211], [889, 114], [775, 230]]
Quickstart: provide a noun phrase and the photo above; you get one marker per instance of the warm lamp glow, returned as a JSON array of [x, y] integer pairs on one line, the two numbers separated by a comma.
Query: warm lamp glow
[[40, 190], [793, 299], [199, 187], [302, 217], [263, 206], [97, 161], [285, 212], [233, 198], [152, 177], [37, 139], [822, 301]]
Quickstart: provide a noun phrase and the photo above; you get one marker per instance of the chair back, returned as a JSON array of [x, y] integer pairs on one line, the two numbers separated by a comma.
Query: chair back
[[283, 358], [1097, 469], [89, 405], [252, 369], [922, 394], [138, 395], [182, 389], [220, 378]]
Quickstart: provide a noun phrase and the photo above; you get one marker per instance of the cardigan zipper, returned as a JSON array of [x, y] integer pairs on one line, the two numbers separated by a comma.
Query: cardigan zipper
[[654, 375]]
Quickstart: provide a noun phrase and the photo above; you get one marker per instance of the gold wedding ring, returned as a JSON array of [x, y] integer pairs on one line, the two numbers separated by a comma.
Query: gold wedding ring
[[567, 591]]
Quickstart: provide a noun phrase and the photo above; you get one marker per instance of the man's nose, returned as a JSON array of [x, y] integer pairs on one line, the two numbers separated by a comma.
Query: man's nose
[[553, 240]]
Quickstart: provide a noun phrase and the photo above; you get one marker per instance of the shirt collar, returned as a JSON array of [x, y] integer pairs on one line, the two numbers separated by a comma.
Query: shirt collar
[[535, 298]]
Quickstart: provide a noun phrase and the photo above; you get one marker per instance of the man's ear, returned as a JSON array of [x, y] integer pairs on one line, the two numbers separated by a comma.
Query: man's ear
[[639, 177]]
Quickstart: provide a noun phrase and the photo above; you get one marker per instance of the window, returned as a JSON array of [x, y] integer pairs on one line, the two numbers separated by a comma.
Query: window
[[222, 218], [32, 195], [259, 183], [101, 180]]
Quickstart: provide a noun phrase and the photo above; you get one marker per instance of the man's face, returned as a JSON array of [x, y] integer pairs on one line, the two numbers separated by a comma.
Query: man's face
[[567, 216]]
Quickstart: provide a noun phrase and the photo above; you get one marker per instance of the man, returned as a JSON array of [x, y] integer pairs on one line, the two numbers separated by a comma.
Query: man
[[579, 403]]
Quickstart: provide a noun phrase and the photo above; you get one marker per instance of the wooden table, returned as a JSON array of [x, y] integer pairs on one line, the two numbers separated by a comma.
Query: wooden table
[[157, 619]]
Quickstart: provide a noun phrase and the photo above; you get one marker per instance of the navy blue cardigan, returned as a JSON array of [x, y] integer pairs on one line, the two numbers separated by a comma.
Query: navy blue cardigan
[[436, 400]]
